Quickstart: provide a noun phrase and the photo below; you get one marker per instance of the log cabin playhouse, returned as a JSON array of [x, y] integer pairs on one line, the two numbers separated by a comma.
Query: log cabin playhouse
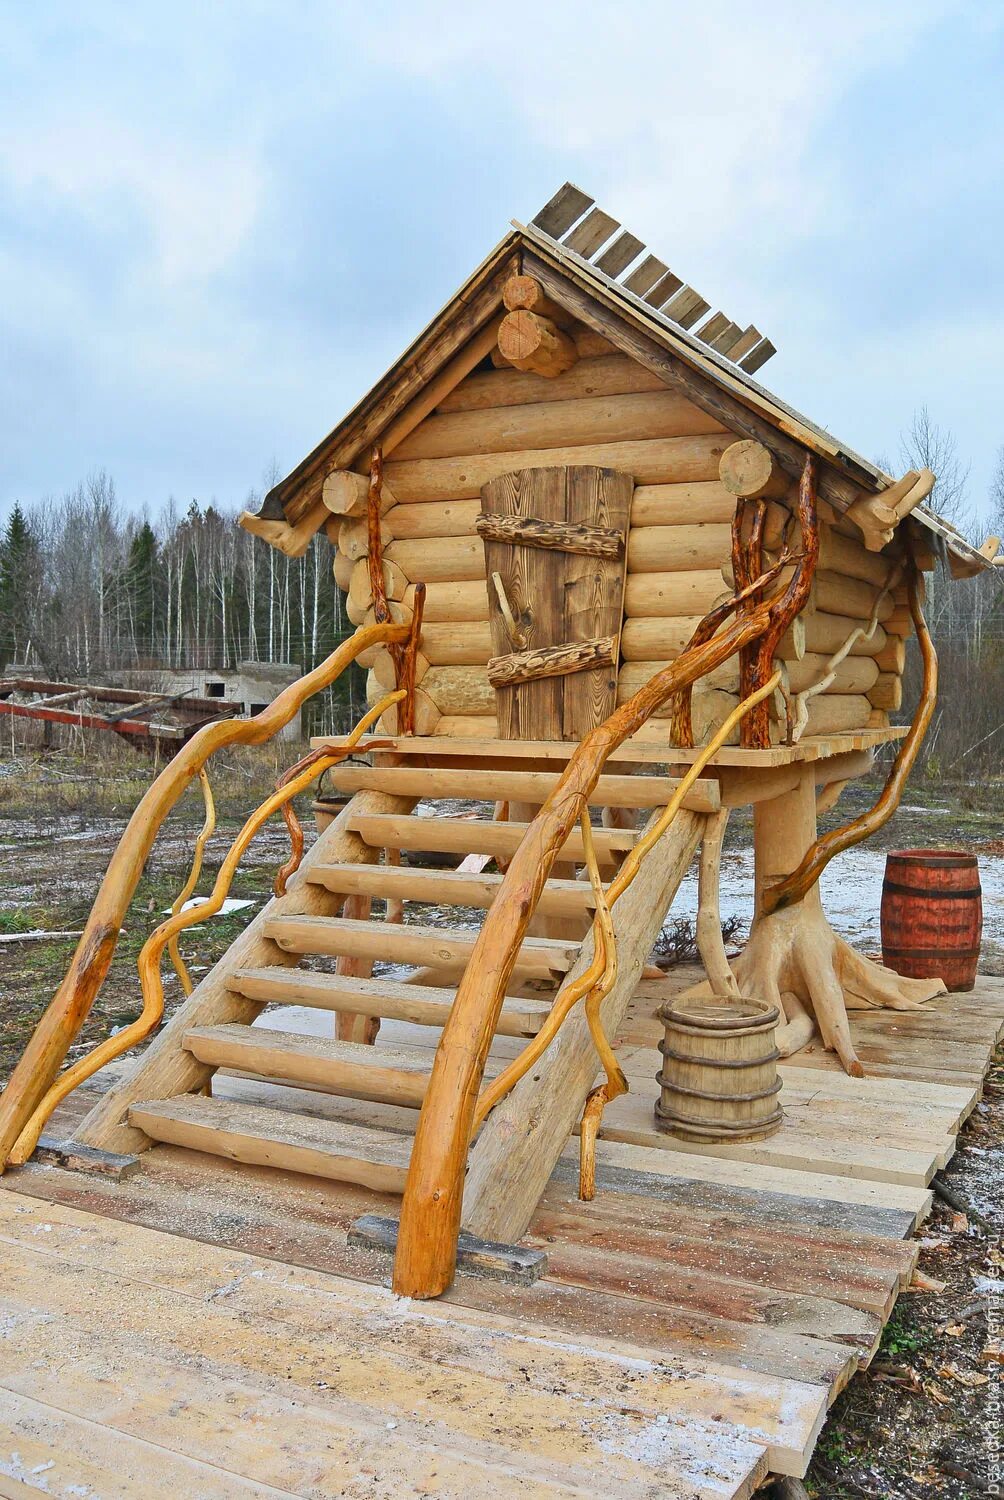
[[594, 566]]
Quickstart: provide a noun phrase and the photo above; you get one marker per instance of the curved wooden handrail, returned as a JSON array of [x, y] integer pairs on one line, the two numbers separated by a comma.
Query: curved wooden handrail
[[430, 1211], [150, 981], [71, 1003], [794, 886]]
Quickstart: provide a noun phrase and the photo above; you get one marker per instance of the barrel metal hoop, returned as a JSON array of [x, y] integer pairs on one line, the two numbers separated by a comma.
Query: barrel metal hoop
[[704, 1128], [678, 1088], [928, 893], [719, 1062]]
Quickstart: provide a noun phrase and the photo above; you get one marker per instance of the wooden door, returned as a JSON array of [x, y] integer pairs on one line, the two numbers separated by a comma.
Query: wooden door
[[555, 550]]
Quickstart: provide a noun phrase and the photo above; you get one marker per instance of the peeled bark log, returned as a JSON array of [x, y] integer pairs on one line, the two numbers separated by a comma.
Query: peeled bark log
[[465, 643], [448, 559], [655, 549], [705, 502], [459, 690], [452, 601], [749, 471], [855, 674], [434, 518], [887, 692], [660, 594], [532, 343]]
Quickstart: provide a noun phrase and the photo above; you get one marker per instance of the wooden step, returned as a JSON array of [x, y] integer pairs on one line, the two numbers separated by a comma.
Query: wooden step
[[477, 751], [408, 943], [273, 1138], [422, 1005], [385, 1073], [517, 786], [563, 898], [474, 836]]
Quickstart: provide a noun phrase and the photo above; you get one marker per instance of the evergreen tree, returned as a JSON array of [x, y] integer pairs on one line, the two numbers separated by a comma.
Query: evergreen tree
[[20, 572], [142, 585]]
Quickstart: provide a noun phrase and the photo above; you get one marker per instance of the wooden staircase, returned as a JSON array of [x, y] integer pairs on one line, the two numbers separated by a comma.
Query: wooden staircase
[[284, 959]]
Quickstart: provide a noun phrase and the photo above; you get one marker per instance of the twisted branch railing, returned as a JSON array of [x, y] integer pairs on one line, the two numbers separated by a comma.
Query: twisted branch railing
[[71, 1004]]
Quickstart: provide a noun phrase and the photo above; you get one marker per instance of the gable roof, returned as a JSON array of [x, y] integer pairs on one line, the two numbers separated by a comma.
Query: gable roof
[[633, 313]]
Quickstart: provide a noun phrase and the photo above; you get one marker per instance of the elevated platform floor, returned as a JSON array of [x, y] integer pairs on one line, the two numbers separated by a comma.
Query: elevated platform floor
[[205, 1329]]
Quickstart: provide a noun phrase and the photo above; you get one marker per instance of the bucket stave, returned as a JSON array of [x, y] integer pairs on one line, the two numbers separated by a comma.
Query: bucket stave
[[932, 915], [719, 1078]]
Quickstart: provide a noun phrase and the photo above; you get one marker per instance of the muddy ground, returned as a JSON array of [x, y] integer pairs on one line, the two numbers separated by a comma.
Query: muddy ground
[[923, 1420]]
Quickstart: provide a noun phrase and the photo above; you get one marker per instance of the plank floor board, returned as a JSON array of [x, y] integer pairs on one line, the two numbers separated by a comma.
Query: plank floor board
[[731, 1292]]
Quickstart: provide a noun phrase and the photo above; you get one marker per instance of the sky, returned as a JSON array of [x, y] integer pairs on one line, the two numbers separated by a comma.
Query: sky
[[220, 222]]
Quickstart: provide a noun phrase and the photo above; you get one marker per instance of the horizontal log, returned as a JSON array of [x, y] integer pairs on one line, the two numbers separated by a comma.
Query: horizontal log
[[360, 597], [609, 375], [460, 690], [592, 345], [550, 424], [839, 595], [551, 661], [887, 692], [659, 549], [651, 461], [855, 674], [530, 342], [839, 554], [709, 706], [635, 674], [554, 536], [462, 643], [705, 501], [657, 639], [451, 601], [344, 492], [749, 470], [652, 594], [383, 669], [518, 786], [448, 559], [834, 713], [354, 537], [427, 715], [524, 292], [406, 523], [826, 633], [341, 567], [892, 657], [468, 726]]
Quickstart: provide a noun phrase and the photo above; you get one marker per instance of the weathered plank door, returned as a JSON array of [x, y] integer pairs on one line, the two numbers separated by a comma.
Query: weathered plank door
[[555, 550]]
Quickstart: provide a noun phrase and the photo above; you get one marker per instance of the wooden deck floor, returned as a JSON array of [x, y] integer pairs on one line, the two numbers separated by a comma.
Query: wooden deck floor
[[204, 1329]]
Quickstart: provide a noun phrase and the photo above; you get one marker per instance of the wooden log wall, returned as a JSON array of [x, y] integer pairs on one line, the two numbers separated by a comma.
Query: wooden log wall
[[603, 410]]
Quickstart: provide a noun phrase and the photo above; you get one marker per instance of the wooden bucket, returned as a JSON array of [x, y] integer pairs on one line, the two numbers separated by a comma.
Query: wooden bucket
[[932, 915], [719, 1074]]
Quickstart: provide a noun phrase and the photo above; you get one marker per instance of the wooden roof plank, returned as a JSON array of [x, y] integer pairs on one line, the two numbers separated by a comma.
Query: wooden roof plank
[[625, 248], [666, 287], [563, 210], [594, 231], [645, 276], [760, 355], [714, 327]]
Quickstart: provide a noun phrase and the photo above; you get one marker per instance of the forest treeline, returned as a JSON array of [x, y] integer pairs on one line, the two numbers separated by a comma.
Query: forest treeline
[[88, 588]]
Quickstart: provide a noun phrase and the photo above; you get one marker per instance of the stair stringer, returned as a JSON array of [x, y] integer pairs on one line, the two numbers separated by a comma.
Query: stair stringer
[[166, 1068], [514, 1155]]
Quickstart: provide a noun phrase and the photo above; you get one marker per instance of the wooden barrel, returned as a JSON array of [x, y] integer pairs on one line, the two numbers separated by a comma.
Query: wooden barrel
[[719, 1074], [932, 915]]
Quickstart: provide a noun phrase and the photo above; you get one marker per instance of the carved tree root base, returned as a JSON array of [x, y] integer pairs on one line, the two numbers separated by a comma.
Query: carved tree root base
[[796, 961]]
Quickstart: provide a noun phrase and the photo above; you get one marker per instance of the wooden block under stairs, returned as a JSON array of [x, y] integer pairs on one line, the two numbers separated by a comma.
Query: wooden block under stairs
[[474, 836], [408, 943], [273, 1138], [387, 1074], [517, 786], [422, 1005], [562, 898]]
